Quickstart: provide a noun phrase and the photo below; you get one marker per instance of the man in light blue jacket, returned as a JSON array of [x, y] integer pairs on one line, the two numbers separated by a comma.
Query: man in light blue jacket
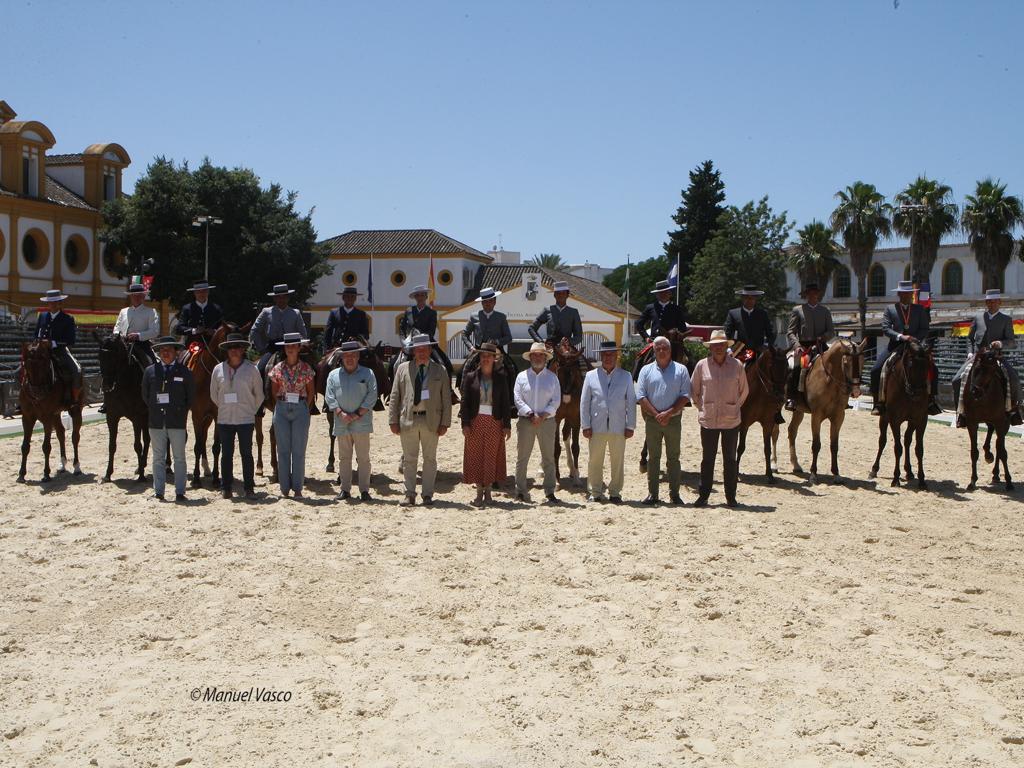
[[350, 394], [608, 418]]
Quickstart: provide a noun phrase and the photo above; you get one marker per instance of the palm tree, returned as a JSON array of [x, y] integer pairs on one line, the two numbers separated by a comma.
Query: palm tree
[[862, 218], [989, 218], [925, 213], [548, 261], [814, 257]]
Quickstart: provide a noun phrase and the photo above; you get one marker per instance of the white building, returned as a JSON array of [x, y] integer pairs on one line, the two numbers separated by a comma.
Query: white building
[[594, 272]]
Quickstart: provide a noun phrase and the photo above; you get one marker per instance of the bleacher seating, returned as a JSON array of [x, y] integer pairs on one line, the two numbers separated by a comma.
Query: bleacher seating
[[13, 333]]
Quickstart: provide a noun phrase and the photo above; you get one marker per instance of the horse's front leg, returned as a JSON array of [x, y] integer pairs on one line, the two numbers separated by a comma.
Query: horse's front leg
[[576, 455], [794, 428], [1001, 448], [558, 452], [835, 425], [47, 445], [141, 449], [775, 448], [919, 449], [259, 446], [215, 473], [908, 439], [766, 434], [815, 446], [28, 423], [883, 438], [988, 445], [742, 444], [111, 446], [61, 443], [275, 477], [897, 449], [330, 434], [972, 432]]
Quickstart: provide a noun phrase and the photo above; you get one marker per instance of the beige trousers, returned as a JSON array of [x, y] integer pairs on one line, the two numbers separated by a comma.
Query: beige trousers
[[413, 439], [359, 442], [526, 435], [615, 445]]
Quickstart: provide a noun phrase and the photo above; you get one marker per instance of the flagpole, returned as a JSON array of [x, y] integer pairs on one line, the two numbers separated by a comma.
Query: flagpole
[[371, 284], [625, 339], [678, 281]]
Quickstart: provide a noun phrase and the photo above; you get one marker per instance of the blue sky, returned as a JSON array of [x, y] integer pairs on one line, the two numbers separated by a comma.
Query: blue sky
[[566, 127]]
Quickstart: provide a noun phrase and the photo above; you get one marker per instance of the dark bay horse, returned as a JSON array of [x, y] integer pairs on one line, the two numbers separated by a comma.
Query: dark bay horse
[[677, 339], [906, 401], [372, 358], [570, 366], [201, 359], [121, 374], [766, 384], [833, 378], [984, 397], [41, 398]]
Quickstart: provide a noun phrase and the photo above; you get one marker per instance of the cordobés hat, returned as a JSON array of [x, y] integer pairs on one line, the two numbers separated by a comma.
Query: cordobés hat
[[135, 288], [166, 341], [349, 290], [904, 286], [560, 285], [662, 285], [487, 293], [418, 289], [281, 289], [202, 285], [291, 338], [351, 346], [749, 290], [420, 340], [538, 347], [235, 340], [53, 295], [489, 348], [993, 293], [810, 287]]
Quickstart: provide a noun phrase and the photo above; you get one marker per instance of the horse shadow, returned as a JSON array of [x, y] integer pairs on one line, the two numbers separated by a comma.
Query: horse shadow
[[61, 481], [446, 482], [780, 483], [133, 486]]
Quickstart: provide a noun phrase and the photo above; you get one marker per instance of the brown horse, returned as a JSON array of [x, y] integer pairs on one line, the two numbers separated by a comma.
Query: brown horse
[[832, 379], [570, 366], [372, 358], [121, 376], [201, 359], [766, 383], [906, 400], [679, 354], [41, 398], [984, 397]]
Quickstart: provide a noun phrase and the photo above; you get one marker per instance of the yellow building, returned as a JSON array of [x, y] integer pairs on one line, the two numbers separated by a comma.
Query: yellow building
[[50, 219]]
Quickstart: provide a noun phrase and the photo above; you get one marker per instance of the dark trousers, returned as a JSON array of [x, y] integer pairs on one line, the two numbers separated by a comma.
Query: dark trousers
[[227, 433], [876, 370], [709, 447]]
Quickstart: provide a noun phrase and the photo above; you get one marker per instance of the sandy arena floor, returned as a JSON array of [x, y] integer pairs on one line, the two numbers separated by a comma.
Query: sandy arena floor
[[824, 626]]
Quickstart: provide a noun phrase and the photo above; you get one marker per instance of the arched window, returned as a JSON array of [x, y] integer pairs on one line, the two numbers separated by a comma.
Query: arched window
[[952, 278], [841, 283], [876, 280]]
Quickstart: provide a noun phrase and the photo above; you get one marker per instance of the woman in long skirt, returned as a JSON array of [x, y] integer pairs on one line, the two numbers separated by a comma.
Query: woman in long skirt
[[486, 416]]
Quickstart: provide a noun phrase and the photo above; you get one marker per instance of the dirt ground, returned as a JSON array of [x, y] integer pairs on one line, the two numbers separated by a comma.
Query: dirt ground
[[832, 625]]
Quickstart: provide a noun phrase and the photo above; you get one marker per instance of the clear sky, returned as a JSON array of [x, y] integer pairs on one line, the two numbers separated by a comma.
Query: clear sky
[[566, 127]]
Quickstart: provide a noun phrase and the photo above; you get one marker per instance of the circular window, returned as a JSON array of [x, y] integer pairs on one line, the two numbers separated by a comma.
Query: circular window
[[444, 277], [349, 278], [113, 260], [76, 254], [35, 249], [398, 278]]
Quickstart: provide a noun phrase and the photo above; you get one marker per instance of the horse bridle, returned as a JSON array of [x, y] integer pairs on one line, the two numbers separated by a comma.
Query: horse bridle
[[908, 387], [851, 351], [769, 386], [31, 388]]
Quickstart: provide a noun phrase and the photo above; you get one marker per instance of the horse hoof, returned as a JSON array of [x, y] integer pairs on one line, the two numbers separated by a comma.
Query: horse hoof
[[106, 479], [972, 486], [895, 483], [797, 469], [872, 474], [922, 485], [812, 479], [78, 472], [770, 479], [21, 478], [329, 468], [45, 479], [989, 458], [61, 470], [643, 467]]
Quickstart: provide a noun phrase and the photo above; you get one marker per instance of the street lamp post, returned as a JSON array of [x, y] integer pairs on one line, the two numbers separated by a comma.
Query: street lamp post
[[207, 220]]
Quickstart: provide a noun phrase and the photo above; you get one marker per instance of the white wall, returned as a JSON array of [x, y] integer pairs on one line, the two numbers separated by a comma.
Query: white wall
[[6, 251], [384, 292], [71, 176]]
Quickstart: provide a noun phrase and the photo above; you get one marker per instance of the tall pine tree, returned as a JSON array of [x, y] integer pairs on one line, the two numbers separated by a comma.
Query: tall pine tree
[[697, 219]]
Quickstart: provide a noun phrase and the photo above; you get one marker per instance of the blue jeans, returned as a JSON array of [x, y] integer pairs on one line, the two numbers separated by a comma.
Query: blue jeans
[[291, 430], [227, 433], [159, 440]]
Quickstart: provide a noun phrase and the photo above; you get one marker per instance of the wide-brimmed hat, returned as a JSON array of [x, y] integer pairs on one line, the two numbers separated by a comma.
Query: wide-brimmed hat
[[418, 289], [420, 340], [810, 287], [608, 346], [718, 337], [993, 293], [135, 288], [487, 293], [662, 285], [749, 290], [281, 289], [349, 290], [291, 338], [166, 341], [903, 286], [201, 285], [351, 346], [235, 340], [560, 285], [489, 348], [53, 295], [538, 346]]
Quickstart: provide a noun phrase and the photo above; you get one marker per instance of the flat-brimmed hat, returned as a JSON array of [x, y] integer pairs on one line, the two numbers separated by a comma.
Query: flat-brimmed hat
[[235, 340], [135, 288], [53, 295], [810, 287], [166, 341], [418, 289], [351, 346], [608, 346], [487, 293], [538, 347], [291, 338], [749, 290], [662, 285], [993, 293], [718, 337], [281, 289], [349, 290], [491, 349], [420, 340], [903, 286], [202, 285], [560, 285]]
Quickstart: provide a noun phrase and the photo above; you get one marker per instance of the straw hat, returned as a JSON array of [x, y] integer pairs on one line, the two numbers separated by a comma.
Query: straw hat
[[718, 337], [538, 346], [202, 285]]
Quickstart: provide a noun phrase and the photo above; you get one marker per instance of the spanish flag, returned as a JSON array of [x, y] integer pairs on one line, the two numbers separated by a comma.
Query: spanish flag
[[430, 282], [963, 328]]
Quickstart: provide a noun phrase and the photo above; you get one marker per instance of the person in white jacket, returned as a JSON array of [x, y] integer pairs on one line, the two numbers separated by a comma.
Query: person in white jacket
[[608, 419], [139, 325], [537, 394]]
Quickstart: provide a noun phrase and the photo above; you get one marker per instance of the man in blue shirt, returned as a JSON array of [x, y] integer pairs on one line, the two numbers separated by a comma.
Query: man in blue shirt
[[663, 388], [350, 394], [58, 327]]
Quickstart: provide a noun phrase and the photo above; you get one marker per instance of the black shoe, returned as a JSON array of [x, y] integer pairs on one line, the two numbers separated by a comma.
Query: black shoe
[[650, 501], [934, 409], [1015, 419], [180, 497], [226, 493], [159, 496], [250, 493], [779, 419], [343, 495], [675, 498], [552, 499], [428, 501], [365, 496], [700, 501], [731, 503], [614, 499]]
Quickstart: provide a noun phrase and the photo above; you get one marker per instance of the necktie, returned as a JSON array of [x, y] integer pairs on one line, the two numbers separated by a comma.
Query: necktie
[[419, 384]]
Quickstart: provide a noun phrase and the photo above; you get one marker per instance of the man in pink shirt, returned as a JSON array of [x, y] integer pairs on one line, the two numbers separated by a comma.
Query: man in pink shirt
[[718, 389]]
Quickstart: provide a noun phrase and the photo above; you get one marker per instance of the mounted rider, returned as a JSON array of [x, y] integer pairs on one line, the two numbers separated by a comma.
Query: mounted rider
[[420, 318], [59, 328], [347, 321], [661, 315], [486, 323], [810, 327], [199, 318], [562, 321], [751, 326], [902, 321], [273, 323], [992, 329]]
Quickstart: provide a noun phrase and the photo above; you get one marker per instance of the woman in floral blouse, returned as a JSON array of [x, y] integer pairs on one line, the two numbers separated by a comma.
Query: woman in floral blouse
[[292, 385]]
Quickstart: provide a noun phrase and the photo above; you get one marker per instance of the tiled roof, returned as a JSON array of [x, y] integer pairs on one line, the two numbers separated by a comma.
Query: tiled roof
[[360, 241], [504, 277], [64, 159], [58, 193]]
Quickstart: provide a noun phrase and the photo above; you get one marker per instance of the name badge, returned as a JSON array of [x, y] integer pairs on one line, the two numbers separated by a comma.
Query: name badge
[[178, 378], [230, 398], [291, 397], [424, 394], [486, 410], [163, 397]]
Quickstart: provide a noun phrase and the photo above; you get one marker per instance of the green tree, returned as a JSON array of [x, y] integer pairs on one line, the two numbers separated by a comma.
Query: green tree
[[263, 240], [861, 218], [643, 276], [749, 247], [814, 257], [548, 261], [989, 218], [697, 220], [924, 213]]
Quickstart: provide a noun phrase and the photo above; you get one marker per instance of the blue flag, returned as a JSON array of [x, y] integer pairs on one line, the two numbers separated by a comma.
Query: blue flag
[[673, 275]]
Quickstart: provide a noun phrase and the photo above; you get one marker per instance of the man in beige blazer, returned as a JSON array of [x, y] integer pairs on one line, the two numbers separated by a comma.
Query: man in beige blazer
[[419, 412]]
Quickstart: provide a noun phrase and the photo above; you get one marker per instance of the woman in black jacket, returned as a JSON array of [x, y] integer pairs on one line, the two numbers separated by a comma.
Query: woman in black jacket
[[486, 416]]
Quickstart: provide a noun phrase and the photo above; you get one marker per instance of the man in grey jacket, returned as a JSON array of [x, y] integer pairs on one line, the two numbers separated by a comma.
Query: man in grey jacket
[[560, 320], [487, 324], [237, 390], [992, 329], [273, 323], [810, 324]]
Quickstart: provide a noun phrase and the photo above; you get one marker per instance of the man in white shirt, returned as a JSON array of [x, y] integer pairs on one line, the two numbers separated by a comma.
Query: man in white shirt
[[608, 419], [537, 394]]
